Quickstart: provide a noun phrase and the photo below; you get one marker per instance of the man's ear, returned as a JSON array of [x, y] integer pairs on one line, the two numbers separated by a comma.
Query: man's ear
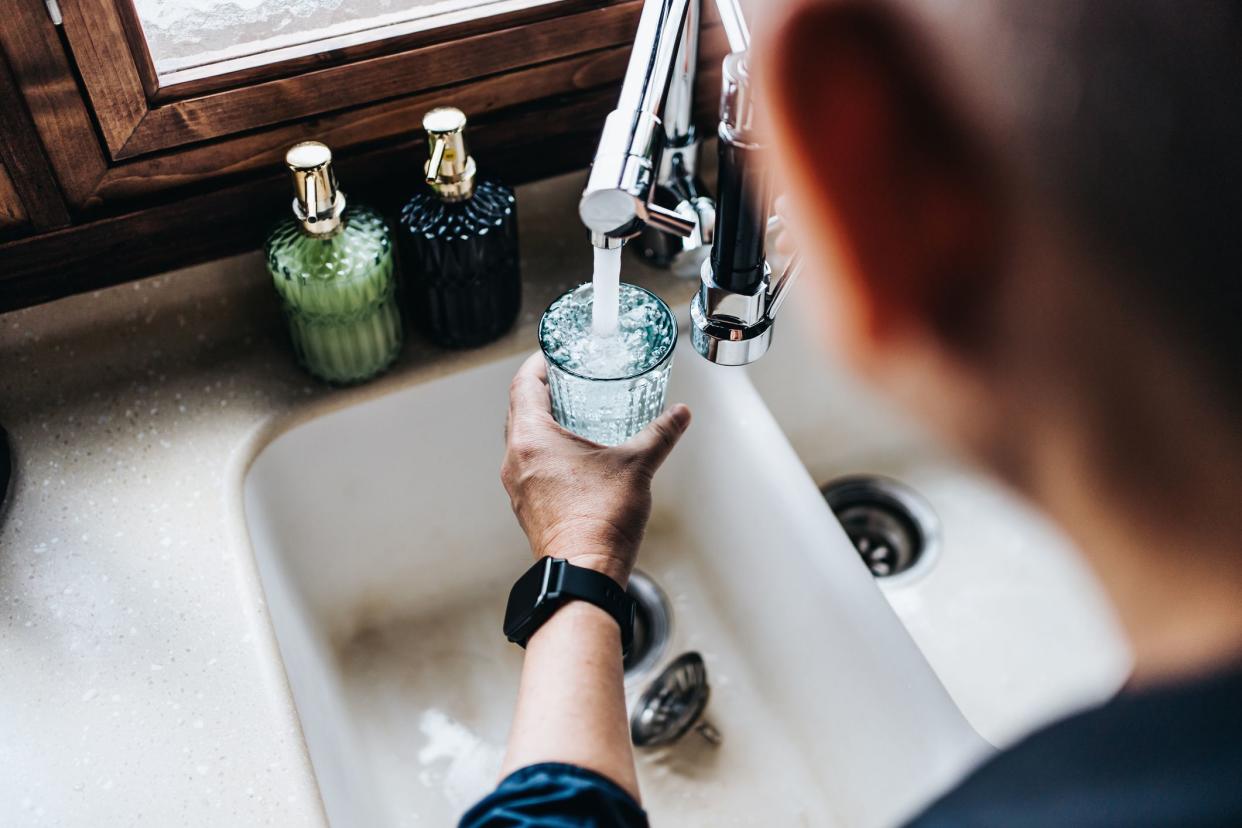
[[880, 171]]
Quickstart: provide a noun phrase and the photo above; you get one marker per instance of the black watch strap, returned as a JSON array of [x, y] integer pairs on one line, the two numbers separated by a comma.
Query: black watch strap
[[553, 582]]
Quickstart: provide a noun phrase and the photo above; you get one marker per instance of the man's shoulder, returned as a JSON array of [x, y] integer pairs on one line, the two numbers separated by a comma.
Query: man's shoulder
[[1169, 756]]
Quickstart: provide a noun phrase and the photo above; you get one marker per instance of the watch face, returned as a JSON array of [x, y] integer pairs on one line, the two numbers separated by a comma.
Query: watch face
[[527, 596]]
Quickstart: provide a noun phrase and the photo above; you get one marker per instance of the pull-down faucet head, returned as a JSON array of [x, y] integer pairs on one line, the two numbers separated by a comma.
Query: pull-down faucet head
[[732, 314]]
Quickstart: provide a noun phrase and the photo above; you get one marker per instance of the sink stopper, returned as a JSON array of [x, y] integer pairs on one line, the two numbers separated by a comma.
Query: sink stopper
[[673, 705]]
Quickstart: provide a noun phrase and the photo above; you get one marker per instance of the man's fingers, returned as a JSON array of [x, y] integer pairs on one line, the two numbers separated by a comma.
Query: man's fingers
[[529, 390], [654, 442]]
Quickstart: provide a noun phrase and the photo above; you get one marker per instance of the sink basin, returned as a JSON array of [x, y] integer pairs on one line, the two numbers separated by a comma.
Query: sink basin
[[1007, 614], [386, 547]]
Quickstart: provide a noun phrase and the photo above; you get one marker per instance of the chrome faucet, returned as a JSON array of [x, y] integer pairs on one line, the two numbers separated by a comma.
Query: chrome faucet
[[732, 313], [619, 200], [677, 184]]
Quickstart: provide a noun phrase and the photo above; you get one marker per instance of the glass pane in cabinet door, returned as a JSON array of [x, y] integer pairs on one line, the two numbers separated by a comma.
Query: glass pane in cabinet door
[[193, 39]]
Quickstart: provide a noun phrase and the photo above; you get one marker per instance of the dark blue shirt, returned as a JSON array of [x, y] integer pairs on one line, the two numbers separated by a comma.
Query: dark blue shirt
[[556, 796], [1169, 756], [1161, 757]]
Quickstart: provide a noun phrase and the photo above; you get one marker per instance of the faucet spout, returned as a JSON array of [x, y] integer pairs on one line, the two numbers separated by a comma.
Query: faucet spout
[[617, 203], [631, 181]]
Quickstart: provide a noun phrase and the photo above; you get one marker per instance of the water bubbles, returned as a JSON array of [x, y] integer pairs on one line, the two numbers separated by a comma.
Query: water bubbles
[[645, 333], [608, 388]]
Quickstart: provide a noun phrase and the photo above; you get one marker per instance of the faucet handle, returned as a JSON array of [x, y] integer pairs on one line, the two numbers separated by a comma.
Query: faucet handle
[[669, 221]]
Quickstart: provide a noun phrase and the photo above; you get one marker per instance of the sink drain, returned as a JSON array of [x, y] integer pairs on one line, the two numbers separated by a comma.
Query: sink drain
[[893, 528], [674, 704], [652, 621]]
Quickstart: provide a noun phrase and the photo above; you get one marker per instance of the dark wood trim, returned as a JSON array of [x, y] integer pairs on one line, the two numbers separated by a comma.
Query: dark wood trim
[[398, 43], [24, 159], [137, 41], [38, 60], [131, 127], [201, 177], [439, 65], [101, 50], [342, 130], [384, 121], [197, 227], [12, 211]]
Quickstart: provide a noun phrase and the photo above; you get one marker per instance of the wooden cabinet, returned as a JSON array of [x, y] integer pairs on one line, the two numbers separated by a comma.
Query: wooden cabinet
[[107, 157], [12, 211]]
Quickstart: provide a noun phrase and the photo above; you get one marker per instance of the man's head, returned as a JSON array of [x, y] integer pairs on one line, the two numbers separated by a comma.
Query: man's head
[[1025, 218]]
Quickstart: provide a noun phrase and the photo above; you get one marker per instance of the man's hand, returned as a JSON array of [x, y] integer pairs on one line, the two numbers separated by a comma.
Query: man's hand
[[576, 499]]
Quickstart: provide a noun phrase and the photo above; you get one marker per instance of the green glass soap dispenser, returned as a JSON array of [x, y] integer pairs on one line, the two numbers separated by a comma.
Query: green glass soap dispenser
[[333, 268]]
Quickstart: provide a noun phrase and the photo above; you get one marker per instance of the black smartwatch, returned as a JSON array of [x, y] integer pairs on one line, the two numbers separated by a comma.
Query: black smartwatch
[[553, 582]]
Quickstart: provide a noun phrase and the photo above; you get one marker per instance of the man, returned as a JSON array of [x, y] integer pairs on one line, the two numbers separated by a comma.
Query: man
[[1026, 223]]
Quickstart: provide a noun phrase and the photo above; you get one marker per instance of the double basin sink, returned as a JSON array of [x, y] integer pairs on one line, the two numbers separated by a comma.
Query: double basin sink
[[386, 547]]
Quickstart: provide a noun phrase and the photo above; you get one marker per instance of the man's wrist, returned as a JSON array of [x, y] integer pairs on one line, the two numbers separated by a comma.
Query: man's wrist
[[602, 563], [591, 545]]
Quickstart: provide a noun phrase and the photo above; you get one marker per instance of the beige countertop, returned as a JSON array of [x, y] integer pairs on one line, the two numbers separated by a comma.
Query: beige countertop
[[142, 683]]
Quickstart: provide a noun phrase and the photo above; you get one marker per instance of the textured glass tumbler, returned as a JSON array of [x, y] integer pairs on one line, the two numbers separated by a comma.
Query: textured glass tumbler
[[608, 403]]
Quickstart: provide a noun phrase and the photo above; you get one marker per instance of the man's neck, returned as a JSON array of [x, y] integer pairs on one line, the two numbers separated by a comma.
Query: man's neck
[[1181, 624], [1172, 570], [1118, 432]]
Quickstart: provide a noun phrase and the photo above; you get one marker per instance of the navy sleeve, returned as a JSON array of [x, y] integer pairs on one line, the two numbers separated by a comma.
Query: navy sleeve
[[551, 795]]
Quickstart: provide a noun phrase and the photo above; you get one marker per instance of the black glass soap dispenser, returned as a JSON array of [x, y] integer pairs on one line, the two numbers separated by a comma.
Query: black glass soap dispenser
[[458, 243]]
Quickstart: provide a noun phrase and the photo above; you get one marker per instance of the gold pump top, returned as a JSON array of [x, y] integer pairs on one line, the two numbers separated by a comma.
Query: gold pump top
[[317, 201], [450, 171]]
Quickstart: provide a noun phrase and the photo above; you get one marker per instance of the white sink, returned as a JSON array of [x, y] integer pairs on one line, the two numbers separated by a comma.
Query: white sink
[[386, 548], [1008, 615]]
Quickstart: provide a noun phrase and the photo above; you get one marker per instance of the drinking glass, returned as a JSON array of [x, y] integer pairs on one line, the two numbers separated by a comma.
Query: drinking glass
[[607, 390]]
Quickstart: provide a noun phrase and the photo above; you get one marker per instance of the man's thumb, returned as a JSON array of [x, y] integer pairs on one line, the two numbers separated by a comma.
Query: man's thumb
[[655, 441]]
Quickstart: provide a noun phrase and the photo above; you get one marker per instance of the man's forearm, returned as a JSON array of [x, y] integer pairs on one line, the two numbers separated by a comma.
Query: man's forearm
[[571, 704], [588, 504]]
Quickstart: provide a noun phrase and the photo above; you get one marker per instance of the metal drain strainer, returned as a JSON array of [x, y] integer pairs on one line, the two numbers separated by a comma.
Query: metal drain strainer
[[674, 704], [652, 625], [893, 528]]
